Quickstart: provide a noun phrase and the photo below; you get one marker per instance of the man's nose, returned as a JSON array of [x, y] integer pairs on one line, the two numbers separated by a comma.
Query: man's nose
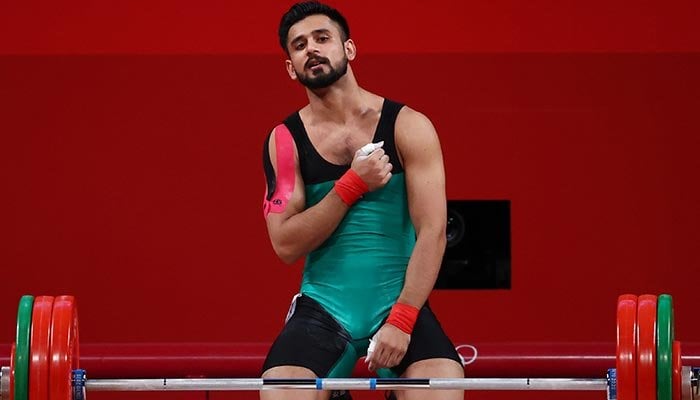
[[312, 48]]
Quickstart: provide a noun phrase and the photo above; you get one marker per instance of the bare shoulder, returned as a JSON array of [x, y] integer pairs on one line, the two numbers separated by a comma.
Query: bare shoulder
[[409, 117], [414, 130], [271, 147]]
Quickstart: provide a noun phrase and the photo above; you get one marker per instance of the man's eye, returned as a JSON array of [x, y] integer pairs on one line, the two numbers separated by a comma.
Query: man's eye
[[323, 39], [299, 46]]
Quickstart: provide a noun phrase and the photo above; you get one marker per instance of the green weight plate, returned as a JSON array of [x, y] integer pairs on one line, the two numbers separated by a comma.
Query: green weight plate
[[664, 348], [24, 326]]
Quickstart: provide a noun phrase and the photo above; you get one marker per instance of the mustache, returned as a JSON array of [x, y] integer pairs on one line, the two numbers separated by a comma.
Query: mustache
[[319, 59]]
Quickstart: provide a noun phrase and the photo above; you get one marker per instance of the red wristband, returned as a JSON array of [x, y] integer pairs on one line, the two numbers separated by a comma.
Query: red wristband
[[350, 187], [403, 316]]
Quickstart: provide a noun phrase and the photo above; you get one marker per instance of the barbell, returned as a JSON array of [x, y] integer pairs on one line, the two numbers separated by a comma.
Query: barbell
[[45, 362]]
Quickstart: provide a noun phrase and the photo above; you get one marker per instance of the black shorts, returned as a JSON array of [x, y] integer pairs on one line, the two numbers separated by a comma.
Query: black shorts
[[313, 339]]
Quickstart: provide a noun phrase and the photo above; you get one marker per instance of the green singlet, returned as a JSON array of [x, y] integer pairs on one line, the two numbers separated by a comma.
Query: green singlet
[[358, 273]]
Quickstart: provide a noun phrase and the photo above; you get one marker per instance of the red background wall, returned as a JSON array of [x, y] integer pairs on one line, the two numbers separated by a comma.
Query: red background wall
[[131, 138]]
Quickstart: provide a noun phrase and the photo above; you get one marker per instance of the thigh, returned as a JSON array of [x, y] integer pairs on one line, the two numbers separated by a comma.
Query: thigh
[[311, 339], [428, 341]]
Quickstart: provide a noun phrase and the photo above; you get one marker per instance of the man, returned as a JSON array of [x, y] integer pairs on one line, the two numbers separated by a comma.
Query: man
[[355, 183]]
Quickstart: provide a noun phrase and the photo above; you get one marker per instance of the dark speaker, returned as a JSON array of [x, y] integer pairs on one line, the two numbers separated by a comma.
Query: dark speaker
[[478, 245]]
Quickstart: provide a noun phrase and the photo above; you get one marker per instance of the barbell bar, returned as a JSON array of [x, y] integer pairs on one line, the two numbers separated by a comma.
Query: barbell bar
[[45, 359], [225, 384]]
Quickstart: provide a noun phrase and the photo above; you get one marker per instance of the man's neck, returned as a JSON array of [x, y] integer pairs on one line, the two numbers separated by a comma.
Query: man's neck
[[339, 102]]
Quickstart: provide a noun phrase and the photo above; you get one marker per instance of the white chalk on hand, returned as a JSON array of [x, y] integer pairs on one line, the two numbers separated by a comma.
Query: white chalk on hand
[[370, 348], [370, 147]]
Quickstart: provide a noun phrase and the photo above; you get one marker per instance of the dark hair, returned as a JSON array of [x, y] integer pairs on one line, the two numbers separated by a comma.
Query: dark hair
[[304, 9]]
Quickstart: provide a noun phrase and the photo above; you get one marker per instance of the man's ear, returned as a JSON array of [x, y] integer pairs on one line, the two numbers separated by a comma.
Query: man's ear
[[350, 49], [290, 69]]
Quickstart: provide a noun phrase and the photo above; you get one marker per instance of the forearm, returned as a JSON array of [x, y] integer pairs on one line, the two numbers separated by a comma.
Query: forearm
[[303, 232], [423, 267]]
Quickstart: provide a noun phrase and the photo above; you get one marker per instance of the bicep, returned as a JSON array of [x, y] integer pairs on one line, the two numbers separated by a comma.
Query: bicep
[[422, 158], [284, 187]]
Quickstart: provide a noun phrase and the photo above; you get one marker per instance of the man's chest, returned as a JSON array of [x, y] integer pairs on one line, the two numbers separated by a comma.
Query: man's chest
[[338, 143]]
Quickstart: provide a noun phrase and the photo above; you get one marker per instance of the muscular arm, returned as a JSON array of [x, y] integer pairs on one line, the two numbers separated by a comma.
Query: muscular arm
[[296, 231], [419, 147]]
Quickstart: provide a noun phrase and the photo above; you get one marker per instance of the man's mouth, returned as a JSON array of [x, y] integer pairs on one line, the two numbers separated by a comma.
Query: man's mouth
[[314, 64]]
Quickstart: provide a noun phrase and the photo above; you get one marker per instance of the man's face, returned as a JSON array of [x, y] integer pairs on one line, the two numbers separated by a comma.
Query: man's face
[[316, 52]]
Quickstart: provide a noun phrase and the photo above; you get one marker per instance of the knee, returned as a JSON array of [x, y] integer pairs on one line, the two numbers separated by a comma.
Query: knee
[[288, 371], [435, 368]]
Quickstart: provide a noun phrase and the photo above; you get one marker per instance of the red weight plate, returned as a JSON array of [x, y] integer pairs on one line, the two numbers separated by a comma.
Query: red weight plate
[[646, 347], [74, 349], [677, 367], [64, 347], [39, 349], [626, 352]]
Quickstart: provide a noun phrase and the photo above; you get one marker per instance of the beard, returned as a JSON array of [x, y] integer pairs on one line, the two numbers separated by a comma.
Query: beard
[[324, 79]]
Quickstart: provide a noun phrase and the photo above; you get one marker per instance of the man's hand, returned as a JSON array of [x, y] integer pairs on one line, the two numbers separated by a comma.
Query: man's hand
[[374, 169], [387, 347]]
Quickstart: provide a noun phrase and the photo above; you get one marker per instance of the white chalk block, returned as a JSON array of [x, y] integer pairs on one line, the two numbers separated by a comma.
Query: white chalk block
[[370, 147]]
